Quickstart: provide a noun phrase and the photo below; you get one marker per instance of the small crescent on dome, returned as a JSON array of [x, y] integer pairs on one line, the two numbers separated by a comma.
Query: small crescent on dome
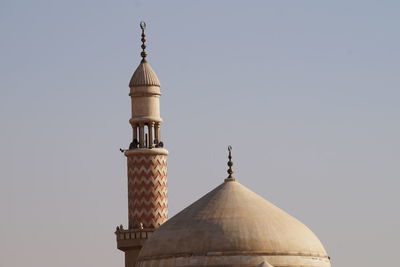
[[143, 25]]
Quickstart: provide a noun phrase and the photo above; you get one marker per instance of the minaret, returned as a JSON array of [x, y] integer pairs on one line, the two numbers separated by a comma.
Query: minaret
[[147, 162]]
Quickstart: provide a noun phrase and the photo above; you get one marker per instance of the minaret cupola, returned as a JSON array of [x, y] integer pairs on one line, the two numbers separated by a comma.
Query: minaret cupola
[[145, 96]]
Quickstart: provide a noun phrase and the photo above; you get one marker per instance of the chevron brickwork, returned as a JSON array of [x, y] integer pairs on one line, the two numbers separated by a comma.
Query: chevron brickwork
[[147, 190]]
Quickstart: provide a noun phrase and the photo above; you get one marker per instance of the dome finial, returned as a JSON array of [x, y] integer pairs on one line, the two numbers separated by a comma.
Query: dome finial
[[230, 178], [230, 163], [143, 54]]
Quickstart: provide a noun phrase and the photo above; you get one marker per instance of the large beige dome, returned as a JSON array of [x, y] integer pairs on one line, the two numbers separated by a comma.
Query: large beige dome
[[233, 226]]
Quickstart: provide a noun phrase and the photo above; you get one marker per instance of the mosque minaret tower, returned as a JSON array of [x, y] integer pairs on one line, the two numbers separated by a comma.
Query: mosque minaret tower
[[147, 162]]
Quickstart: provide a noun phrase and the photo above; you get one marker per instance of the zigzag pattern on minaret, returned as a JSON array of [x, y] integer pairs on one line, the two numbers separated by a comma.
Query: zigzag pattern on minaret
[[147, 189]]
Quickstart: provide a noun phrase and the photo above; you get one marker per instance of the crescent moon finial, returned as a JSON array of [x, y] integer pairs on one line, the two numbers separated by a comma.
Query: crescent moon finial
[[143, 54]]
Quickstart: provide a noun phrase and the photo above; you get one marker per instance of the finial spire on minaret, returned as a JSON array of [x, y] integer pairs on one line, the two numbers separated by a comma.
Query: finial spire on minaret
[[230, 163], [143, 54]]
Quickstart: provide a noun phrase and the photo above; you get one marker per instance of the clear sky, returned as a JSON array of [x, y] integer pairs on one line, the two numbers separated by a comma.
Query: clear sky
[[306, 92]]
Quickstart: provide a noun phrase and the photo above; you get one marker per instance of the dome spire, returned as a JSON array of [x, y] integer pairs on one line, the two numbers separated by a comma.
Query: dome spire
[[230, 164], [143, 54]]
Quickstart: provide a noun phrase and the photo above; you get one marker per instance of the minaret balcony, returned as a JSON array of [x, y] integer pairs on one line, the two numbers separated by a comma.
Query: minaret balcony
[[128, 239], [133, 234]]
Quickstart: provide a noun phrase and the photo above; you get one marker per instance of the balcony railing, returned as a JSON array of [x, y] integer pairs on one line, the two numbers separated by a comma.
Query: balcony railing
[[133, 234]]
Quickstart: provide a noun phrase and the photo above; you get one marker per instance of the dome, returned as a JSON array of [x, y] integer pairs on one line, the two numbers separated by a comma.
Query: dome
[[144, 75], [233, 226]]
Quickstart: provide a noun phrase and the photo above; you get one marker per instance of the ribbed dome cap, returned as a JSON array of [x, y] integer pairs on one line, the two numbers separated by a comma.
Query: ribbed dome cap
[[144, 75], [233, 220]]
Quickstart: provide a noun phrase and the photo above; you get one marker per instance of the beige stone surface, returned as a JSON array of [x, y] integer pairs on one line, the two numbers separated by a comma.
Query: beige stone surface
[[146, 151], [233, 226], [145, 104]]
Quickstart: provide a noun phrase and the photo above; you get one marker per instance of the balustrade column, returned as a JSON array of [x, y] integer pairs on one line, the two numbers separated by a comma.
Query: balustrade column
[[157, 132], [150, 128], [135, 131], [141, 135]]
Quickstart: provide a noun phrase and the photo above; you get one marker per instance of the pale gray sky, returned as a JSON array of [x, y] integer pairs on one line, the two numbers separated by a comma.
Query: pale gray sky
[[306, 92]]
